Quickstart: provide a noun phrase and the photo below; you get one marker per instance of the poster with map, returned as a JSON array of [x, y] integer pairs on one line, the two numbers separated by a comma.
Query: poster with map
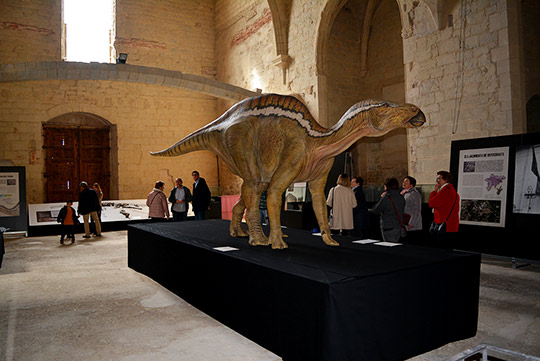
[[483, 184], [9, 194]]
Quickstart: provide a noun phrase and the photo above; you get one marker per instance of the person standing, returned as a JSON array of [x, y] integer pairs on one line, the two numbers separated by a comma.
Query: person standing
[[263, 209], [180, 197], [68, 218], [360, 212], [157, 203], [445, 203], [342, 200], [99, 193], [413, 207], [201, 196], [89, 207], [390, 207]]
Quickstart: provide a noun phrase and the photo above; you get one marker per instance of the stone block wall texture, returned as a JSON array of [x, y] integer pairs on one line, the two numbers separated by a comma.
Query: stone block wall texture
[[30, 30], [175, 35], [464, 91], [147, 118]]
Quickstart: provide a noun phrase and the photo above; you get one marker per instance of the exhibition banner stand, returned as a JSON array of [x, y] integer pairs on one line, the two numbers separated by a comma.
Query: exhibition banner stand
[[498, 179]]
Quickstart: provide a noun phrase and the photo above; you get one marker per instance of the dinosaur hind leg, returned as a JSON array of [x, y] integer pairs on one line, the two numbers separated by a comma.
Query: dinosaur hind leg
[[236, 229], [280, 181], [251, 194]]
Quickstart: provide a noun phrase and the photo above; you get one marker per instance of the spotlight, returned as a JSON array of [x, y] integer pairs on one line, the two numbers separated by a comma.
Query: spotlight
[[122, 57]]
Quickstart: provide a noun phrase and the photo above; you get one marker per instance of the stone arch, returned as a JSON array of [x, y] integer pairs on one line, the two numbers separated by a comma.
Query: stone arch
[[280, 10], [329, 13], [88, 122], [362, 35]]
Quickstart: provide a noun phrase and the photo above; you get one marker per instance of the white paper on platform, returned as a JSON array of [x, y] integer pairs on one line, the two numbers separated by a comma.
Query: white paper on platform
[[366, 241], [388, 244], [225, 249]]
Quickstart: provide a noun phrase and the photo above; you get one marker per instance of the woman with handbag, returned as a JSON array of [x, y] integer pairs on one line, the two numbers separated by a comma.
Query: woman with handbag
[[390, 207], [445, 203], [413, 210], [342, 201]]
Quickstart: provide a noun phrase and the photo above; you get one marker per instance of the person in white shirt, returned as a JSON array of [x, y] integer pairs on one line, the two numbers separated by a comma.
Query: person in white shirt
[[180, 197]]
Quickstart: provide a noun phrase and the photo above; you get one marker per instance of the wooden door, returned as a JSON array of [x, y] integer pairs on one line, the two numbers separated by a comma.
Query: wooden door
[[74, 155]]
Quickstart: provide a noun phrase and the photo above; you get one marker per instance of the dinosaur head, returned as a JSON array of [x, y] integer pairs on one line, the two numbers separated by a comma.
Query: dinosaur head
[[390, 116]]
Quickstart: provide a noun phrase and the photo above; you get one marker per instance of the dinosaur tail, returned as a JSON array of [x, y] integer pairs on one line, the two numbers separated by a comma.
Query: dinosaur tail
[[198, 140]]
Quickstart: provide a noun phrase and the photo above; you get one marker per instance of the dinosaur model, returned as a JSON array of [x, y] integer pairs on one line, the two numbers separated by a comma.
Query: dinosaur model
[[271, 141]]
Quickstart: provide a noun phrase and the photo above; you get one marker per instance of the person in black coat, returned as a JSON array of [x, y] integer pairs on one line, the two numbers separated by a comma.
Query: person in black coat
[[89, 207], [360, 212], [201, 196]]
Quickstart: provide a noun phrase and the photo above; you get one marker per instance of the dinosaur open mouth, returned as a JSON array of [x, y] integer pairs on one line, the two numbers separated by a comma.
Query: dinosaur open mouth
[[418, 120]]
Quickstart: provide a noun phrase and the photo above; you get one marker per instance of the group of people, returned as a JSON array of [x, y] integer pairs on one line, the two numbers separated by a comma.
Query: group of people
[[400, 210], [179, 197], [89, 208]]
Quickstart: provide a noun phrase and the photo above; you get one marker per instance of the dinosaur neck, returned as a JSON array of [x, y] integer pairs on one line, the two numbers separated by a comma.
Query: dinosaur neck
[[345, 133]]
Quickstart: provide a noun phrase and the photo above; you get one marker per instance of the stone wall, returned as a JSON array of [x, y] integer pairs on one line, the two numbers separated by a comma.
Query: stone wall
[[461, 77], [147, 118], [176, 35], [168, 35], [30, 30]]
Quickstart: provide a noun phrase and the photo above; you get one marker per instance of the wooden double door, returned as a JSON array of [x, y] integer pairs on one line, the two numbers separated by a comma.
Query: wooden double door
[[76, 154]]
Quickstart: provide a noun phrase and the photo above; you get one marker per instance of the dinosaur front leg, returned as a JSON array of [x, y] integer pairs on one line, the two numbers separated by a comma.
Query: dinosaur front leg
[[236, 229], [316, 187]]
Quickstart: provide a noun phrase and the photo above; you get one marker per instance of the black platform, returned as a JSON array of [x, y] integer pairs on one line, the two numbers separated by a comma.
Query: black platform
[[311, 301]]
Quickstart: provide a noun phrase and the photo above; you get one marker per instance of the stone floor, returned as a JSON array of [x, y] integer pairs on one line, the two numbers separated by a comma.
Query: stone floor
[[82, 302]]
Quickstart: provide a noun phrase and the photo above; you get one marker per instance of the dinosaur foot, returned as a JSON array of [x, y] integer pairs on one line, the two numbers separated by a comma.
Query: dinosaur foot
[[328, 240], [258, 241], [277, 242], [238, 232]]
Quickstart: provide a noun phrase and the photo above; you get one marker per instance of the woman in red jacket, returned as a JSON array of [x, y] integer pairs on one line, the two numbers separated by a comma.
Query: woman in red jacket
[[445, 203]]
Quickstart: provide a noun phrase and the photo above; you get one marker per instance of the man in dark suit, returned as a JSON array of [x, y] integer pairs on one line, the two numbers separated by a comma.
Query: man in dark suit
[[201, 196], [89, 207]]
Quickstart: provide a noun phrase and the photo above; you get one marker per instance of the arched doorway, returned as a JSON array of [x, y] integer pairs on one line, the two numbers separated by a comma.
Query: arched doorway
[[77, 148], [362, 58]]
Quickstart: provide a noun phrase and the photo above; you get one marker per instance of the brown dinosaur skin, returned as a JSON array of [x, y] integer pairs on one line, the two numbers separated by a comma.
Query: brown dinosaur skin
[[271, 141]]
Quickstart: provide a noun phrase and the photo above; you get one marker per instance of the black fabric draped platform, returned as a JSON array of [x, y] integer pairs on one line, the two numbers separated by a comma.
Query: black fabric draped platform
[[314, 302]]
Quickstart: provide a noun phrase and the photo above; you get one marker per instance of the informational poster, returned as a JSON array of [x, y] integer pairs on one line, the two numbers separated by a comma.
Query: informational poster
[[44, 214], [9, 194], [527, 184], [482, 186]]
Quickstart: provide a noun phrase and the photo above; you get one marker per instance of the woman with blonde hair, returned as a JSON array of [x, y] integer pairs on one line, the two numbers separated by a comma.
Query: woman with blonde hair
[[342, 201]]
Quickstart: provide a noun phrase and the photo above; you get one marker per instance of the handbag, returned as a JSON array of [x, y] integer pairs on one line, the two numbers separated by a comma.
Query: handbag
[[406, 218], [403, 227], [331, 215], [438, 228]]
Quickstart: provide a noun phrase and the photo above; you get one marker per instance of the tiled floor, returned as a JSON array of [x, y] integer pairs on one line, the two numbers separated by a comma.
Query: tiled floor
[[81, 302]]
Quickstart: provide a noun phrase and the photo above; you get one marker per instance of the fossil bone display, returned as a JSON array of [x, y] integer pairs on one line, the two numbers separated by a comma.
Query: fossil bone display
[[271, 141]]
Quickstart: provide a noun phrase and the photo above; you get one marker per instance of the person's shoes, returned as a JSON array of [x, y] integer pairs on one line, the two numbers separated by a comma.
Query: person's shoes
[[86, 236], [61, 241], [98, 235]]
